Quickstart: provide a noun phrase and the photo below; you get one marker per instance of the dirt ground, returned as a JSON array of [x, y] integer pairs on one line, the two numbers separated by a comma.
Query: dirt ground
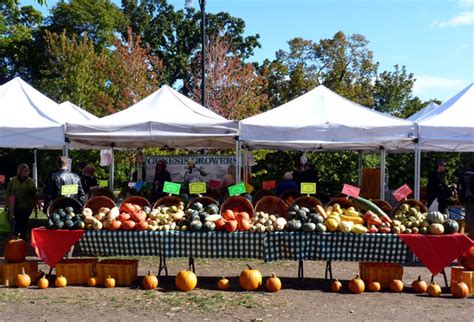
[[298, 300]]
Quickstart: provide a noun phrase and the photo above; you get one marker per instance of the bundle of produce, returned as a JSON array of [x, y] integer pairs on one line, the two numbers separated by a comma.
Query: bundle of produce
[[233, 221], [199, 218], [65, 218], [344, 220], [166, 217], [264, 222], [410, 220], [104, 218], [302, 218]]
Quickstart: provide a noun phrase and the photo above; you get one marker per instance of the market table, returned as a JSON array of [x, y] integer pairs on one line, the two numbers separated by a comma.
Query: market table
[[52, 245]]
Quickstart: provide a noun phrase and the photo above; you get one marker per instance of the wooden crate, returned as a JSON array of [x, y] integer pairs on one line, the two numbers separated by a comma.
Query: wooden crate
[[383, 273], [8, 271], [77, 270], [458, 273], [124, 271]]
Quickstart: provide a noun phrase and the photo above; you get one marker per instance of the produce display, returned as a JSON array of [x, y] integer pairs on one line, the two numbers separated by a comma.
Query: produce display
[[65, 218]]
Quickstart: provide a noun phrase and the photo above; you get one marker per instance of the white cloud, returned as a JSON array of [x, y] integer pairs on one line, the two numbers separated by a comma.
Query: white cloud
[[429, 87], [466, 2], [463, 18]]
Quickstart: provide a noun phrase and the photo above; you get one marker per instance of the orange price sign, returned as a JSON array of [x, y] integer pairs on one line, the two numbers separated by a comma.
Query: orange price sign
[[351, 191], [402, 192]]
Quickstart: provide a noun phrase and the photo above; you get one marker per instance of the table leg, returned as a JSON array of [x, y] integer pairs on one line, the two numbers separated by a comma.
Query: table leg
[[301, 270], [191, 265], [163, 266], [328, 270]]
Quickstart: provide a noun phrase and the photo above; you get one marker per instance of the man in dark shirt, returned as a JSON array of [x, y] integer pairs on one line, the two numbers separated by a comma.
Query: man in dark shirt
[[161, 175], [437, 187]]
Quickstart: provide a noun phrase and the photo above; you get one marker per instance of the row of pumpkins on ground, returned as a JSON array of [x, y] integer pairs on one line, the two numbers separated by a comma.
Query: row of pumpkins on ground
[[199, 217]]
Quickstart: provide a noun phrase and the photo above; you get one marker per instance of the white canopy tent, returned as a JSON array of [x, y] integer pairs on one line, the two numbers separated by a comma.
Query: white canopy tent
[[323, 120], [426, 112], [70, 112]]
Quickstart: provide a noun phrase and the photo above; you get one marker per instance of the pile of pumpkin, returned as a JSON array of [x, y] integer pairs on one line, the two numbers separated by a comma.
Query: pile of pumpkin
[[459, 289]]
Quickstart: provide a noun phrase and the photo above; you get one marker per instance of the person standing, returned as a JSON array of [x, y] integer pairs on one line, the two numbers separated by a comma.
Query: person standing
[[161, 175], [193, 173], [88, 179], [60, 178], [21, 194], [287, 184], [437, 187], [466, 194]]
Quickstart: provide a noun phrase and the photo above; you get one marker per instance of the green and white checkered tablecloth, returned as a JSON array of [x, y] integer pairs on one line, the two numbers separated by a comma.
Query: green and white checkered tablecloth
[[120, 243]]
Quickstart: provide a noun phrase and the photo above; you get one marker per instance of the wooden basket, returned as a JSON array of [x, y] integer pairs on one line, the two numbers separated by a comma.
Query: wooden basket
[[343, 202], [76, 270], [272, 205], [382, 204], [308, 202], [8, 271], [383, 273], [124, 271], [204, 200], [63, 202], [238, 203], [458, 273], [136, 200], [411, 203], [289, 196], [260, 194], [97, 202], [167, 201], [103, 192]]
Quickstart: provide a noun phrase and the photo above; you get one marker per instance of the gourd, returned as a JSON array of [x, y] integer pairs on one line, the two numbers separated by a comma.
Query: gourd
[[243, 224], [346, 226], [320, 228], [250, 279], [114, 225], [109, 282], [436, 229], [331, 224], [336, 286], [359, 229], [419, 286], [231, 226], [365, 204], [396, 286], [467, 259], [186, 281], [195, 225], [92, 281], [43, 282], [273, 284], [309, 227], [450, 226], [150, 281], [374, 286], [22, 280], [356, 285], [435, 217], [128, 225], [459, 289], [60, 281], [223, 284], [15, 250], [434, 290]]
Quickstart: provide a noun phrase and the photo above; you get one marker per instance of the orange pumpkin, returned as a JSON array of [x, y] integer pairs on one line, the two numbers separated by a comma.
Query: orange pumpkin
[[336, 286], [43, 282], [250, 279], [186, 281], [228, 214], [127, 207], [150, 281], [356, 285], [223, 284], [459, 290], [22, 280], [220, 224], [243, 225], [242, 215], [109, 282], [139, 216], [231, 226], [128, 225], [142, 225], [374, 286], [434, 290], [114, 225], [15, 250], [92, 281], [60, 281], [396, 286], [273, 284], [419, 286], [123, 217], [467, 259]]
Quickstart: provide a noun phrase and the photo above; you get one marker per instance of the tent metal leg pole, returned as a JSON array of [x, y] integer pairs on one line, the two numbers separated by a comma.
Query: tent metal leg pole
[[66, 150], [417, 171], [112, 171], [35, 167], [382, 173], [238, 165], [359, 167]]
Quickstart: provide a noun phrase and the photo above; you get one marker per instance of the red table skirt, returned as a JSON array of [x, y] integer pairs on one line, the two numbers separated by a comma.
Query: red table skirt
[[52, 245], [437, 251]]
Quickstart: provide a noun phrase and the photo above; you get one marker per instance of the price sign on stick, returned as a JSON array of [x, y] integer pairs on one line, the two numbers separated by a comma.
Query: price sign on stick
[[171, 187], [248, 187], [196, 188], [103, 183], [402, 192], [236, 190], [269, 184], [308, 188], [69, 189], [351, 191]]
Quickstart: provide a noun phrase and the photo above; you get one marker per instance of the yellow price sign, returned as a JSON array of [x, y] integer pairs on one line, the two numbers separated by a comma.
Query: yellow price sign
[[69, 189], [196, 188], [308, 188], [248, 187]]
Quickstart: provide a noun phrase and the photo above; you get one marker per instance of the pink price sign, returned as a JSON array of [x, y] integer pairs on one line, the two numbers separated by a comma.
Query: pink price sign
[[2, 178], [351, 191], [269, 184], [402, 192]]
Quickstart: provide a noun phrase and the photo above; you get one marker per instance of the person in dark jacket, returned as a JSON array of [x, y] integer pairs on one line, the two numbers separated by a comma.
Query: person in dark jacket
[[88, 179], [437, 187], [161, 175], [287, 184], [59, 178]]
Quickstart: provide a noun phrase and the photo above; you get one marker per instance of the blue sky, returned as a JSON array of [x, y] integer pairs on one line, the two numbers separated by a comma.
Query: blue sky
[[433, 38]]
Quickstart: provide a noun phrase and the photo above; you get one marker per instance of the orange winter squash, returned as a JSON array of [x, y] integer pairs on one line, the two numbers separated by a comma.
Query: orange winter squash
[[419, 286], [242, 215], [273, 284], [223, 284], [459, 290], [150, 281], [128, 225], [92, 281], [228, 214], [109, 282], [231, 226], [396, 286], [250, 279], [60, 281], [186, 281], [243, 225], [336, 286], [142, 225], [15, 250], [123, 217], [43, 282], [114, 225], [467, 259], [374, 286], [220, 224], [356, 285], [22, 280]]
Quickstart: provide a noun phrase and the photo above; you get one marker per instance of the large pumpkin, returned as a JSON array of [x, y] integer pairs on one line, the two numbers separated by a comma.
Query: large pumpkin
[[250, 279], [15, 250], [150, 281], [186, 281], [467, 259]]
